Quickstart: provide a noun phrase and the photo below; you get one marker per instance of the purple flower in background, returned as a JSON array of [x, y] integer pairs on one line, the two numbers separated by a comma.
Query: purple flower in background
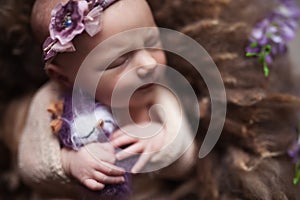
[[67, 20], [269, 37], [288, 9], [294, 153]]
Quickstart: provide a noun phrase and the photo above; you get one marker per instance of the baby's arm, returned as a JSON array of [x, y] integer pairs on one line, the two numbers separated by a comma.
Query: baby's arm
[[39, 150], [176, 133], [179, 136], [43, 164]]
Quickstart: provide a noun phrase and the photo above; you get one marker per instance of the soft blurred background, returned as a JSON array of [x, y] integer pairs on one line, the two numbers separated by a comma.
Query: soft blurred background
[[21, 73], [295, 51], [11, 188]]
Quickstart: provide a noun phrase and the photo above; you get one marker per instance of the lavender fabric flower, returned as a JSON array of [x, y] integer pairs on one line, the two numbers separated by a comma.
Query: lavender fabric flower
[[269, 37], [48, 52], [70, 19], [52, 47], [93, 21], [67, 20]]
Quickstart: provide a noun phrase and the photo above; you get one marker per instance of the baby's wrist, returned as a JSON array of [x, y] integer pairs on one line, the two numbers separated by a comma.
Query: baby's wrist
[[65, 161]]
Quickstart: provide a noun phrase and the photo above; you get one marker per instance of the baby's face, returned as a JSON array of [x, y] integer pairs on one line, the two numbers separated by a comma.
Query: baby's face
[[139, 66]]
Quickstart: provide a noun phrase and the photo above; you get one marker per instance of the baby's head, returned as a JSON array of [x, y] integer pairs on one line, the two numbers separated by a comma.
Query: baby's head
[[120, 16]]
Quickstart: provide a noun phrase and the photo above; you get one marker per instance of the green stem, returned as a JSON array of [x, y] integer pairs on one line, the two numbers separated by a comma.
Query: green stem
[[266, 50], [266, 70], [297, 174]]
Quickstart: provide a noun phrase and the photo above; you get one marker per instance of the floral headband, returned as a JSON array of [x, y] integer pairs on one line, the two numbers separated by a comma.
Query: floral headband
[[269, 38], [71, 19]]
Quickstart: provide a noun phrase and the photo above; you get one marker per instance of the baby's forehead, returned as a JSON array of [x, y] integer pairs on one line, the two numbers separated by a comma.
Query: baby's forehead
[[41, 16], [121, 28], [119, 43]]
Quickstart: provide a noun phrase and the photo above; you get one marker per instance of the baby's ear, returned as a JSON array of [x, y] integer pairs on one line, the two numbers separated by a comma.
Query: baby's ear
[[58, 75]]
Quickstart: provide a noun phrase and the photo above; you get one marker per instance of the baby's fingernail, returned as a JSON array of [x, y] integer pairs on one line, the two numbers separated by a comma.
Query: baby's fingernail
[[121, 170], [113, 143], [118, 156], [123, 179]]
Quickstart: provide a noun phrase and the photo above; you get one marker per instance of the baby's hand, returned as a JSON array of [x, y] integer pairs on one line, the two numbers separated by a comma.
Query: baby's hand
[[146, 147], [93, 165]]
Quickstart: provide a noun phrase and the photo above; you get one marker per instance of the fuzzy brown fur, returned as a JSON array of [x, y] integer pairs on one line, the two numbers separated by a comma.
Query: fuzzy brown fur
[[21, 72], [250, 160], [20, 75], [20, 57]]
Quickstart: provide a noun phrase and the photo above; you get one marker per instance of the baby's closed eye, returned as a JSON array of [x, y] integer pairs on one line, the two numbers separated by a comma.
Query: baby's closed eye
[[122, 60]]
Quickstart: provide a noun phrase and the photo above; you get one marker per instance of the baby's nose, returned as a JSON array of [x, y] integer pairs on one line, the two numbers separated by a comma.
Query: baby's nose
[[146, 63]]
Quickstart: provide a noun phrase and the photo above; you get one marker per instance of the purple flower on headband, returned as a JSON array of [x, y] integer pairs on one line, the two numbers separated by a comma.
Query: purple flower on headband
[[52, 47], [92, 21], [47, 49], [70, 19], [294, 153], [67, 21], [269, 37]]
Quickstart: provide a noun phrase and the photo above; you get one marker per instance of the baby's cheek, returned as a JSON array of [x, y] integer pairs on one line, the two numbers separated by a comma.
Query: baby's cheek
[[161, 57], [102, 97]]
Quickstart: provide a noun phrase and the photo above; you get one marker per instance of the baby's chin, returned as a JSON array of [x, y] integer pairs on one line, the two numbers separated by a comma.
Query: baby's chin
[[145, 95]]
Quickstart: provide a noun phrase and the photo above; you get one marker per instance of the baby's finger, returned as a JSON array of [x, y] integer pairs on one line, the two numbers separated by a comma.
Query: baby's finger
[[108, 158], [142, 161], [101, 178], [123, 141], [130, 151], [109, 169], [108, 147], [101, 151], [117, 134], [93, 184]]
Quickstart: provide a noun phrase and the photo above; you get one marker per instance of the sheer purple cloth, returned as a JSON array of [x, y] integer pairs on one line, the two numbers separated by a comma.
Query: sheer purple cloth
[[70, 138]]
